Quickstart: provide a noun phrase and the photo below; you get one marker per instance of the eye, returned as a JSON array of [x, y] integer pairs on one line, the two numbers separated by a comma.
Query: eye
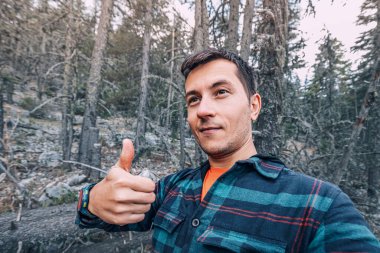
[[192, 100], [221, 92]]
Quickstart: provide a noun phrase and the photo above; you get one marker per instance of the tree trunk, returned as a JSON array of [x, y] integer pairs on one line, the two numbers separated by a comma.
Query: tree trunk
[[93, 84], [140, 131], [374, 171], [369, 99], [182, 156], [95, 154], [201, 25], [170, 93], [9, 88], [247, 30], [200, 43], [1, 116], [205, 24], [274, 31], [233, 27], [67, 120]]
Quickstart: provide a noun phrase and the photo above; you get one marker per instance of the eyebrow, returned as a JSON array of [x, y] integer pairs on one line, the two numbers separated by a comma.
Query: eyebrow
[[213, 86]]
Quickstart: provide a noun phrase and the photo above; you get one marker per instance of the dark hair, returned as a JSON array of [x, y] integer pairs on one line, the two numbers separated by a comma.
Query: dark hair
[[245, 72]]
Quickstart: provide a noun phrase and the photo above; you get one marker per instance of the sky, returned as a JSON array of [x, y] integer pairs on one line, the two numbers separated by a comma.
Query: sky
[[340, 19]]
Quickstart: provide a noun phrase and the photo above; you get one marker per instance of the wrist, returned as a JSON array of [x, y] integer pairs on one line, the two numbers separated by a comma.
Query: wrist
[[84, 200]]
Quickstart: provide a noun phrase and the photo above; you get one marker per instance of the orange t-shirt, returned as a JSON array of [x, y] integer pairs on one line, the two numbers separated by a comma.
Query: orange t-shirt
[[211, 176]]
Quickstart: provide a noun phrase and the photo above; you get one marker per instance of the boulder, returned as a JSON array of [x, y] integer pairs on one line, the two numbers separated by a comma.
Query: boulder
[[49, 159]]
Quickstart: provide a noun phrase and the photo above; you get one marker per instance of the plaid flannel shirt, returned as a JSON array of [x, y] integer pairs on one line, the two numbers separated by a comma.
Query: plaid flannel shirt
[[259, 205]]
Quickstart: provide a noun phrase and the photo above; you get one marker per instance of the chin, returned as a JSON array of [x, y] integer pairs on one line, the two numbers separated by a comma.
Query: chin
[[215, 151]]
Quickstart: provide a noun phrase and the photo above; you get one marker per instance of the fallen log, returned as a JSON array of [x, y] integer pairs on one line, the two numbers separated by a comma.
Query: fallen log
[[52, 229]]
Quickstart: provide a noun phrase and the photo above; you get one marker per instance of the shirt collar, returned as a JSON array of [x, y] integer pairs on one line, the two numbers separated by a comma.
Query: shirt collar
[[267, 166]]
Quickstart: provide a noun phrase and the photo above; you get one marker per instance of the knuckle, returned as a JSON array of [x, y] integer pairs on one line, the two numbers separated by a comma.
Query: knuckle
[[118, 209], [118, 197]]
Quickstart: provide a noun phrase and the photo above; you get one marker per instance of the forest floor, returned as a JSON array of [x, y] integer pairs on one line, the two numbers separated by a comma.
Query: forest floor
[[33, 158]]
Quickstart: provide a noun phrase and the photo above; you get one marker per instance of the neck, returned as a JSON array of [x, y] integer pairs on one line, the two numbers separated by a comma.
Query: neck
[[228, 160]]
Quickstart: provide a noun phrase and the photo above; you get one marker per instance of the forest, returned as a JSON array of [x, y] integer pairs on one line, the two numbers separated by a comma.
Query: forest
[[76, 80]]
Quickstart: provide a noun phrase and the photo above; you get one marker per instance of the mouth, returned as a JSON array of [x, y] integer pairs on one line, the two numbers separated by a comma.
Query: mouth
[[209, 130]]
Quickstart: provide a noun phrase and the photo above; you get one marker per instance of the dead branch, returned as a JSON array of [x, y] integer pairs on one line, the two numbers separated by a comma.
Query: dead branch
[[174, 85], [357, 127], [46, 102], [22, 189], [84, 165], [53, 67]]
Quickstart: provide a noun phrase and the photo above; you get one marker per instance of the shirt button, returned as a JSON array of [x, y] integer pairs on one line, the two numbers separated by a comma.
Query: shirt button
[[195, 223]]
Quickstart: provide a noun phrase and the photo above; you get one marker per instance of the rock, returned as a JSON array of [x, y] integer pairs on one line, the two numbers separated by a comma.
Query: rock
[[76, 179], [26, 182], [78, 120], [58, 190], [151, 139], [57, 194], [49, 159]]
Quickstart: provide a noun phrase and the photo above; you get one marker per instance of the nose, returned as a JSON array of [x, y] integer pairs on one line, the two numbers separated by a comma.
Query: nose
[[205, 108]]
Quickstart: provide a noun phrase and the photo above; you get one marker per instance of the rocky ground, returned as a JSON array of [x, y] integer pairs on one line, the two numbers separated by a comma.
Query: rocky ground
[[34, 158]]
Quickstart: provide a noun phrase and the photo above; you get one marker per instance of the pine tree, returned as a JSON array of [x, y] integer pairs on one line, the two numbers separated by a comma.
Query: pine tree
[[325, 95]]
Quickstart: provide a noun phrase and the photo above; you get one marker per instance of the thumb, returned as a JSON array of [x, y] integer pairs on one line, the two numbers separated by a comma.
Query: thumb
[[126, 156]]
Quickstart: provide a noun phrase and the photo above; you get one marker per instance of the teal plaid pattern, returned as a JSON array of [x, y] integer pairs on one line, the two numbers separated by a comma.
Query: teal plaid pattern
[[259, 205]]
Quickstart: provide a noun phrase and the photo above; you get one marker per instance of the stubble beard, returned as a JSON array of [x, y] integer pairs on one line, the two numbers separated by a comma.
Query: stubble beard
[[234, 143]]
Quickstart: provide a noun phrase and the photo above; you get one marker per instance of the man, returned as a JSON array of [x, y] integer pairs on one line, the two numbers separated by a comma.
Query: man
[[238, 201]]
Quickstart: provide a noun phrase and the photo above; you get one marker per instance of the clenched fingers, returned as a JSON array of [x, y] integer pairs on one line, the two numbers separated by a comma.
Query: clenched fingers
[[131, 209]]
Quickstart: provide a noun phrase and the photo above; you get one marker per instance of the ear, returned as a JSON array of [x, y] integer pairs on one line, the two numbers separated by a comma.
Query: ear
[[255, 106]]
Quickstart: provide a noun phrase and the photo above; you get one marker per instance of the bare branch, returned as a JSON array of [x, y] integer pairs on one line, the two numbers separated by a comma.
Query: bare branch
[[174, 85], [46, 102], [84, 165], [13, 179]]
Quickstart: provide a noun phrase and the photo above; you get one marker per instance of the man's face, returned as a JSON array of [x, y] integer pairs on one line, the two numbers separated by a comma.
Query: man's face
[[219, 110]]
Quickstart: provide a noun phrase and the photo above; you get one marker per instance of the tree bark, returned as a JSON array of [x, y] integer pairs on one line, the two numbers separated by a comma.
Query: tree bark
[[233, 27], [274, 31], [93, 84], [200, 43], [374, 171], [201, 25], [247, 30], [95, 153], [170, 93], [67, 107], [1, 116], [140, 130], [205, 24]]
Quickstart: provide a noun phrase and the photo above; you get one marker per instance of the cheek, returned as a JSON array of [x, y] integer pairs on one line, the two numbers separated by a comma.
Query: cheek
[[190, 118]]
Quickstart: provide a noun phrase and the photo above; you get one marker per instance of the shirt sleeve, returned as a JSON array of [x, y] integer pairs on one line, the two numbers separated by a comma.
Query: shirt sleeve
[[344, 230], [85, 219]]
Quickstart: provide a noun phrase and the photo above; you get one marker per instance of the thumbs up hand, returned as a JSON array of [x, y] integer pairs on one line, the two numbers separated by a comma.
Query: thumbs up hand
[[122, 198]]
